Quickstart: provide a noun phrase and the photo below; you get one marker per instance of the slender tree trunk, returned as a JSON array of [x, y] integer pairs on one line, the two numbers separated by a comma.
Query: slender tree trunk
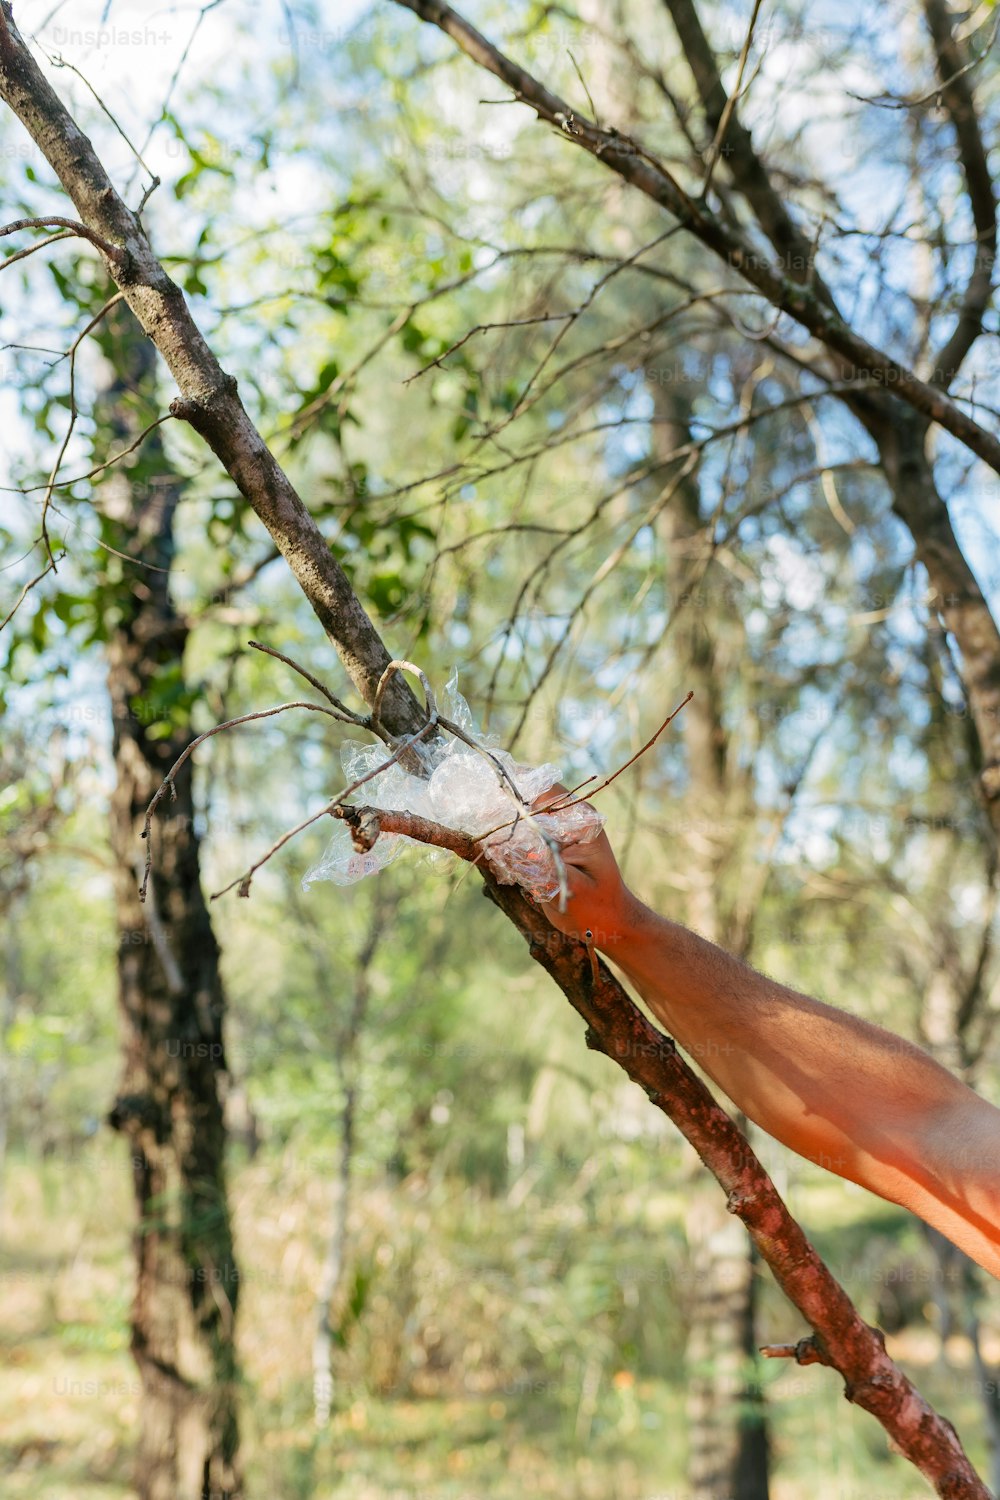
[[9, 987], [333, 1270], [727, 1418], [171, 1003], [348, 1045]]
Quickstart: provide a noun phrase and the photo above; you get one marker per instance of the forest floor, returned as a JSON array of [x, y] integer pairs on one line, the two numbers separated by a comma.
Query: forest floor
[[402, 1429]]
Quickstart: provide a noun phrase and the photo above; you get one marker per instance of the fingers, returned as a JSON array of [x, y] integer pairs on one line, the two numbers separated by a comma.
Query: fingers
[[554, 794]]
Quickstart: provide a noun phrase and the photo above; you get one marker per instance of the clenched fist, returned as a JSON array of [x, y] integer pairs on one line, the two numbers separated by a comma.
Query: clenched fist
[[601, 909]]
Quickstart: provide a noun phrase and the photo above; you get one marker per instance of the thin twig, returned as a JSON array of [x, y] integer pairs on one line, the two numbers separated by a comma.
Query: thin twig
[[53, 239], [244, 880], [73, 414], [583, 85], [558, 806], [49, 568], [805, 1352], [487, 328], [115, 253], [361, 721], [727, 113], [914, 101], [58, 61], [109, 463], [430, 702], [168, 782]]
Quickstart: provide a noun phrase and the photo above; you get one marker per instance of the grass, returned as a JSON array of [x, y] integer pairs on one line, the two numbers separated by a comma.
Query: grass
[[463, 1379]]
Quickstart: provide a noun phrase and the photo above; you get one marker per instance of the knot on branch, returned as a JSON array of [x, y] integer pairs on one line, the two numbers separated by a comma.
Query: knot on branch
[[364, 823], [201, 412], [808, 1351]]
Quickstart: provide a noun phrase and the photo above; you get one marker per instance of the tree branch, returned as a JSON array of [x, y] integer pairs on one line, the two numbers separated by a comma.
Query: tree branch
[[616, 1027], [113, 253], [956, 91], [208, 398], [900, 435], [631, 161]]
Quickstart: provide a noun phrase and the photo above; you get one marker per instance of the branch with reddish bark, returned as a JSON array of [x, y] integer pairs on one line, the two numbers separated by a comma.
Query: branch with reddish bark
[[616, 1027]]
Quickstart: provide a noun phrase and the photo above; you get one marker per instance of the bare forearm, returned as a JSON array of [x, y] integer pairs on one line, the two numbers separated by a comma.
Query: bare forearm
[[837, 1090]]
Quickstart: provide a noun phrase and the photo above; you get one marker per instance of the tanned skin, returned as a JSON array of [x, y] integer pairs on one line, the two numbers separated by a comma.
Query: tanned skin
[[841, 1092]]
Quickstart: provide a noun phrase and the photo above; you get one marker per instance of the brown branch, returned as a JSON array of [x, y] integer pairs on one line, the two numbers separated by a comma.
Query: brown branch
[[114, 253], [49, 568], [366, 823], [956, 91], [558, 806], [109, 463], [806, 1352], [631, 161], [168, 782], [208, 398], [730, 104], [73, 414], [244, 880], [53, 239], [353, 718], [436, 364], [616, 1027]]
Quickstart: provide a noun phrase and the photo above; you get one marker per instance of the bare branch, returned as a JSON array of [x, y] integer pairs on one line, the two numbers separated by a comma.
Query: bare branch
[[73, 414], [114, 253], [244, 881], [168, 782], [109, 463], [353, 718], [53, 239], [956, 91], [572, 797], [730, 105], [630, 160], [49, 568]]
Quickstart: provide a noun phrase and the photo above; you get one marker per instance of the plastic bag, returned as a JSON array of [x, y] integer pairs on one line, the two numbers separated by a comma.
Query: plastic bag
[[461, 791]]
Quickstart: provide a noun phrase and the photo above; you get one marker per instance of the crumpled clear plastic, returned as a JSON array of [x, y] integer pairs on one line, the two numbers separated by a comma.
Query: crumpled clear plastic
[[462, 791]]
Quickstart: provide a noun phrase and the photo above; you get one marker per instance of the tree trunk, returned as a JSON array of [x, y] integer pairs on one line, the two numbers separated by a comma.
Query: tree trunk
[[727, 1417], [347, 1048], [171, 1003]]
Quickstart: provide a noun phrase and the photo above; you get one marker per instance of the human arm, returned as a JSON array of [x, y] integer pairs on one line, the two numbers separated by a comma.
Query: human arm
[[838, 1090]]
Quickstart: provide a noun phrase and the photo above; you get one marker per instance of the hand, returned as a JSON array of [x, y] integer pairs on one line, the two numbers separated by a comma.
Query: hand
[[600, 903]]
